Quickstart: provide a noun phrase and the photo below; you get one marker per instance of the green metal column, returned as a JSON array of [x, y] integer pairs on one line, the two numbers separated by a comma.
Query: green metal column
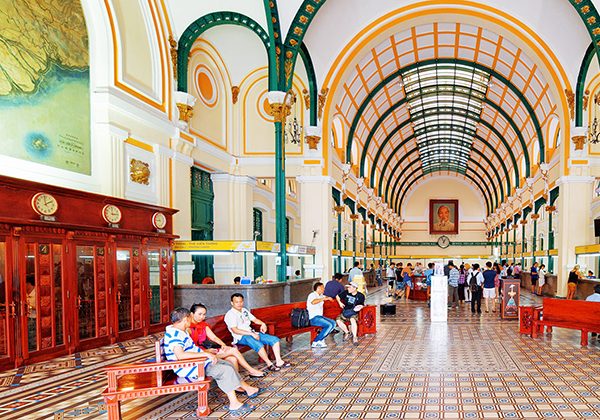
[[514, 243], [523, 248], [534, 242], [339, 244], [280, 210], [550, 243], [365, 244]]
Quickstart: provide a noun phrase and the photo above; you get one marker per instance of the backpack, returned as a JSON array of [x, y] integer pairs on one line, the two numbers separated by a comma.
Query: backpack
[[473, 282], [300, 318]]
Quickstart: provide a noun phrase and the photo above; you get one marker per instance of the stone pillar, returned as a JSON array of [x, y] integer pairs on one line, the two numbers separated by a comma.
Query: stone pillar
[[315, 214], [575, 218], [234, 196]]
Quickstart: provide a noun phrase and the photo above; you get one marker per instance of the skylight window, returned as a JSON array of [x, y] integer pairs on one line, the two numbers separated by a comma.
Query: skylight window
[[445, 102]]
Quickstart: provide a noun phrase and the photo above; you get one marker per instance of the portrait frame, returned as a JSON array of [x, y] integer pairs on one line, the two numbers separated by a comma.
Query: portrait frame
[[434, 225]]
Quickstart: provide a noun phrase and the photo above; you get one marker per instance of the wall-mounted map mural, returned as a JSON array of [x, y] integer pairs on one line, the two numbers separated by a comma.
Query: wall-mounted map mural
[[44, 83]]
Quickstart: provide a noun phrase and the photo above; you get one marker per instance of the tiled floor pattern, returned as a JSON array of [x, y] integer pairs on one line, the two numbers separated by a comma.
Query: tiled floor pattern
[[473, 367]]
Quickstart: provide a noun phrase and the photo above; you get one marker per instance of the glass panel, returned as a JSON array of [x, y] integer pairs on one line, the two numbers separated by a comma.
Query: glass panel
[[58, 290], [86, 292], [31, 291], [3, 303], [124, 289], [154, 273]]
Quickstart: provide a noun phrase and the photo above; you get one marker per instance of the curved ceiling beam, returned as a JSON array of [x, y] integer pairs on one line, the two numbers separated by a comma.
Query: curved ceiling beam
[[312, 83], [484, 122], [200, 25], [399, 72], [499, 109], [591, 19], [590, 53], [399, 181], [274, 28], [295, 37], [416, 149], [486, 197]]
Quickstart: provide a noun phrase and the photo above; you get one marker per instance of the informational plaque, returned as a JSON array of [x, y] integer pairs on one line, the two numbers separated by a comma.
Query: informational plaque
[[439, 298]]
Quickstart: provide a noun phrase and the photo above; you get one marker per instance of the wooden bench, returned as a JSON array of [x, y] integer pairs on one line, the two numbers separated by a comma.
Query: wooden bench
[[279, 321], [573, 314], [367, 317], [126, 382]]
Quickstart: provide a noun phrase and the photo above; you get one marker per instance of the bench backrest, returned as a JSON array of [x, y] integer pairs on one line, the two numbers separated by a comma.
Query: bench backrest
[[576, 311], [280, 314], [218, 326]]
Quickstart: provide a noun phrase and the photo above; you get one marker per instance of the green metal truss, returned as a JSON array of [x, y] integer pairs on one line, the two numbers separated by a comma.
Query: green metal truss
[[589, 55], [394, 76], [200, 25], [591, 19], [496, 107], [312, 83]]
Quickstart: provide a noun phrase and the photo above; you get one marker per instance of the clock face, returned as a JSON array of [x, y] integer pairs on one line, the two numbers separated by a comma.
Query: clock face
[[159, 220], [443, 241], [111, 213], [44, 204]]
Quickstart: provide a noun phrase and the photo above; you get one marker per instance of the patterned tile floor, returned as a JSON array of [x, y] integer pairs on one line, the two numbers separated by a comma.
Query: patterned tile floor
[[472, 367]]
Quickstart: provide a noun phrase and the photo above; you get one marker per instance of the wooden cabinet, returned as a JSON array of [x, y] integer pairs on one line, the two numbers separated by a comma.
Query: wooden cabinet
[[73, 277]]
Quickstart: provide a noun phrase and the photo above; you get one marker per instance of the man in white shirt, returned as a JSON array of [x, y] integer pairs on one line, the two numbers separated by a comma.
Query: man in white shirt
[[238, 320], [595, 297], [314, 305], [355, 271]]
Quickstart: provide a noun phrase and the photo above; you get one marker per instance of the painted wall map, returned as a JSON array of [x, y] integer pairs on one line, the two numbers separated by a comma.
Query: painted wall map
[[44, 83]]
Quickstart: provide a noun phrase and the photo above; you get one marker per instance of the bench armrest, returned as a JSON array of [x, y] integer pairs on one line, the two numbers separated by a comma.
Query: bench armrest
[[113, 372]]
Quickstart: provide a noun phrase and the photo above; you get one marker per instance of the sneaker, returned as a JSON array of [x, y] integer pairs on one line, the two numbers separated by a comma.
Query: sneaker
[[316, 344], [346, 336], [322, 343]]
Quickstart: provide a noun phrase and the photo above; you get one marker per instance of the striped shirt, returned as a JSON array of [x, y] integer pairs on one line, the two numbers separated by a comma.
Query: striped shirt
[[175, 337], [453, 277]]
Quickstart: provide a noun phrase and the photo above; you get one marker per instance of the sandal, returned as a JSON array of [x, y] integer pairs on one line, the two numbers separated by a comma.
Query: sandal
[[274, 368], [258, 376], [285, 365], [257, 393], [244, 409]]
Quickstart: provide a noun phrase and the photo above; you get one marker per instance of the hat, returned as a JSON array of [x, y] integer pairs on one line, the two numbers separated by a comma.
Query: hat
[[353, 284]]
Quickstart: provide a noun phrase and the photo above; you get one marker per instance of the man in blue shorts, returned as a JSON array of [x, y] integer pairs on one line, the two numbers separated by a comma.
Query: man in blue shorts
[[238, 320]]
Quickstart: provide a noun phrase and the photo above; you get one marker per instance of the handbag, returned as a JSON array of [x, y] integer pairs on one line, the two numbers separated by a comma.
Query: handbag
[[300, 318], [208, 344]]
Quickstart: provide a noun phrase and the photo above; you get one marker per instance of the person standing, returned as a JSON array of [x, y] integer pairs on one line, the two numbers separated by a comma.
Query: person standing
[[462, 279], [476, 286], [541, 279], [334, 286], [390, 275], [572, 282], [489, 286], [354, 271], [534, 277], [468, 272], [314, 304], [453, 277]]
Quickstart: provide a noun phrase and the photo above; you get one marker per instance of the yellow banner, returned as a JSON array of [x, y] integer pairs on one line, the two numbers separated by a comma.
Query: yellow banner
[[267, 246], [214, 246], [587, 249], [553, 252], [541, 253]]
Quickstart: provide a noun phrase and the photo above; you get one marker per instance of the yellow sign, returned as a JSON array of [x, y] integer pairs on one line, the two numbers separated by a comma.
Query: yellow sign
[[215, 246], [301, 249], [267, 246], [553, 252], [587, 249], [541, 253], [347, 254]]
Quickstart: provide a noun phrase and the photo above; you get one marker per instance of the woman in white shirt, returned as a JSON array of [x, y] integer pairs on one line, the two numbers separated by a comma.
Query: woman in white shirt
[[541, 279]]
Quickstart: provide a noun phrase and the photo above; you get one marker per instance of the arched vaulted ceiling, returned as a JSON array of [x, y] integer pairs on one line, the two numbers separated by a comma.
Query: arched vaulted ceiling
[[446, 97]]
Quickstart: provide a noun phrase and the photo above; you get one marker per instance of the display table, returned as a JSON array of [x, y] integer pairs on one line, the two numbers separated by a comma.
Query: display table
[[419, 289]]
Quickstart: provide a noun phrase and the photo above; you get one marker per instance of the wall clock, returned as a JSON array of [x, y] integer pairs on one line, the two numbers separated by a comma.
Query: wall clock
[[443, 241], [159, 220], [111, 213], [44, 204]]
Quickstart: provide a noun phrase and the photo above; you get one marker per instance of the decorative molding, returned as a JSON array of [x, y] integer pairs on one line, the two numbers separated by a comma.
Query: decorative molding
[[575, 180], [316, 179]]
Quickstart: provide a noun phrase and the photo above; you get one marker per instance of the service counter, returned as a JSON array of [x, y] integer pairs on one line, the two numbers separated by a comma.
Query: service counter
[[217, 297], [549, 288], [585, 288]]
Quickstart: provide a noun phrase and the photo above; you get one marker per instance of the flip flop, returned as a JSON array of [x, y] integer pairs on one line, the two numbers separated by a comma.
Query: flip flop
[[244, 409], [258, 376], [257, 393], [285, 365], [274, 368]]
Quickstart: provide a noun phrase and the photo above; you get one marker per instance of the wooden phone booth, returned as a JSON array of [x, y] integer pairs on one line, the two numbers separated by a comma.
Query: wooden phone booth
[[78, 270]]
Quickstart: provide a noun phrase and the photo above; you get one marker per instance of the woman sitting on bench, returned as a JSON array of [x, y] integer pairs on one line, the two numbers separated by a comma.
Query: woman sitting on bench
[[207, 340]]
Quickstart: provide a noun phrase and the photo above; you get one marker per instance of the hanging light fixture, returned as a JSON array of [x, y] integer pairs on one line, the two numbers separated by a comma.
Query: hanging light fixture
[[292, 133], [594, 128]]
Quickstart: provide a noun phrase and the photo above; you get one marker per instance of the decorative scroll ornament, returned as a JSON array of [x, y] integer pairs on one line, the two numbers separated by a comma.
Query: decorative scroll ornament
[[306, 96], [186, 112], [173, 53], [235, 93], [139, 172], [338, 209], [571, 102], [312, 134], [321, 100], [578, 141], [354, 217], [346, 168]]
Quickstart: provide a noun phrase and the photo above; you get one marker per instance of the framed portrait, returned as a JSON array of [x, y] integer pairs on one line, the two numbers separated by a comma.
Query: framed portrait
[[443, 217]]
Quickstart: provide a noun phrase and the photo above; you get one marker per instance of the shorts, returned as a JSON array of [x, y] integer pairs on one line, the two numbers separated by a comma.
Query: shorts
[[400, 285], [342, 318], [534, 280], [256, 345], [572, 287], [489, 293]]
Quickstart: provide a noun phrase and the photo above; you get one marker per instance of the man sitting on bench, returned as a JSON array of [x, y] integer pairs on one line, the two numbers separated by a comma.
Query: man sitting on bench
[[238, 320], [178, 345]]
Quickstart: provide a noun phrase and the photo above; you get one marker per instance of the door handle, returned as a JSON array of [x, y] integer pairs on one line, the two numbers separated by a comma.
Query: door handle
[[13, 310], [119, 297], [78, 302]]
